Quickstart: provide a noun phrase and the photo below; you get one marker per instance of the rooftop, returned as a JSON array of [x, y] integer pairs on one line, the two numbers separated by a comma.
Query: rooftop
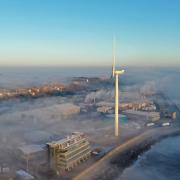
[[30, 149], [68, 138], [24, 175], [142, 113]]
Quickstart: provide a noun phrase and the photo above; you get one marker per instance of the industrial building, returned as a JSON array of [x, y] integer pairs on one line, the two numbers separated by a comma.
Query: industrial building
[[153, 116], [67, 109], [106, 107], [67, 153], [33, 155]]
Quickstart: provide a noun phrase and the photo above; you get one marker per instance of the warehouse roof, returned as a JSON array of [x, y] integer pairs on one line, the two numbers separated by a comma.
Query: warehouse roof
[[24, 175], [142, 113], [30, 149]]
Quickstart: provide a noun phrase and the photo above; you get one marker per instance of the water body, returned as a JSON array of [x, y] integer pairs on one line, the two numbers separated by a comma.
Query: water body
[[161, 162]]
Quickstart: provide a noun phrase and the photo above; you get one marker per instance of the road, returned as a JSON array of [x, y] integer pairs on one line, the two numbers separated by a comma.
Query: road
[[103, 166]]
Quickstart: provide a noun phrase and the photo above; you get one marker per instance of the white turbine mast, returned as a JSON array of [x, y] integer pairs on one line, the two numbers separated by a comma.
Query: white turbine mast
[[116, 74]]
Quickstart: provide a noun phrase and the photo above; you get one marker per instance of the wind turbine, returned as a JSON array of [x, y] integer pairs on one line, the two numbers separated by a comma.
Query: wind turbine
[[116, 74]]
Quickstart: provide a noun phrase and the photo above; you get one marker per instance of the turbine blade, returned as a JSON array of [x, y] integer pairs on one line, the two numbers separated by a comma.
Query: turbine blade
[[114, 56]]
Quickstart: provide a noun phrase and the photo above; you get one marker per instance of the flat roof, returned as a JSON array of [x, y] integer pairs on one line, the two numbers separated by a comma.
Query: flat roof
[[32, 148], [61, 141], [24, 174], [141, 113]]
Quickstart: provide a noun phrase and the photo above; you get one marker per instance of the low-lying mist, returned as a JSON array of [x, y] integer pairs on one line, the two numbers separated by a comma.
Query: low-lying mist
[[37, 121]]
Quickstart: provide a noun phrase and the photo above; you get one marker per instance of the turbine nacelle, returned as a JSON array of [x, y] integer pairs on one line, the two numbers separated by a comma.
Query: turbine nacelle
[[119, 72]]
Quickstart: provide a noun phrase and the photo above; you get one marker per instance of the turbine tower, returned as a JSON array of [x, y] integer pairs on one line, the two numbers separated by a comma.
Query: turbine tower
[[116, 74]]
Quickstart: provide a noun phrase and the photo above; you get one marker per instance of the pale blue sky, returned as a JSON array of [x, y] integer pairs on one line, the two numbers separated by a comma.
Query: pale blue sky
[[79, 32]]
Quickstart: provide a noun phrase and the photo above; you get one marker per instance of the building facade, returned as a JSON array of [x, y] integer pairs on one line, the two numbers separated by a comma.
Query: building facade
[[67, 153]]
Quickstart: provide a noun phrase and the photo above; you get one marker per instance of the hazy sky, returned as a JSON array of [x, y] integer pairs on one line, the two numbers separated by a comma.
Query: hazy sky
[[79, 32]]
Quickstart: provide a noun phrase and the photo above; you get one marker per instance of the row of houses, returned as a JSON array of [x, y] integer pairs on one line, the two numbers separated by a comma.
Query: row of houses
[[34, 91]]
